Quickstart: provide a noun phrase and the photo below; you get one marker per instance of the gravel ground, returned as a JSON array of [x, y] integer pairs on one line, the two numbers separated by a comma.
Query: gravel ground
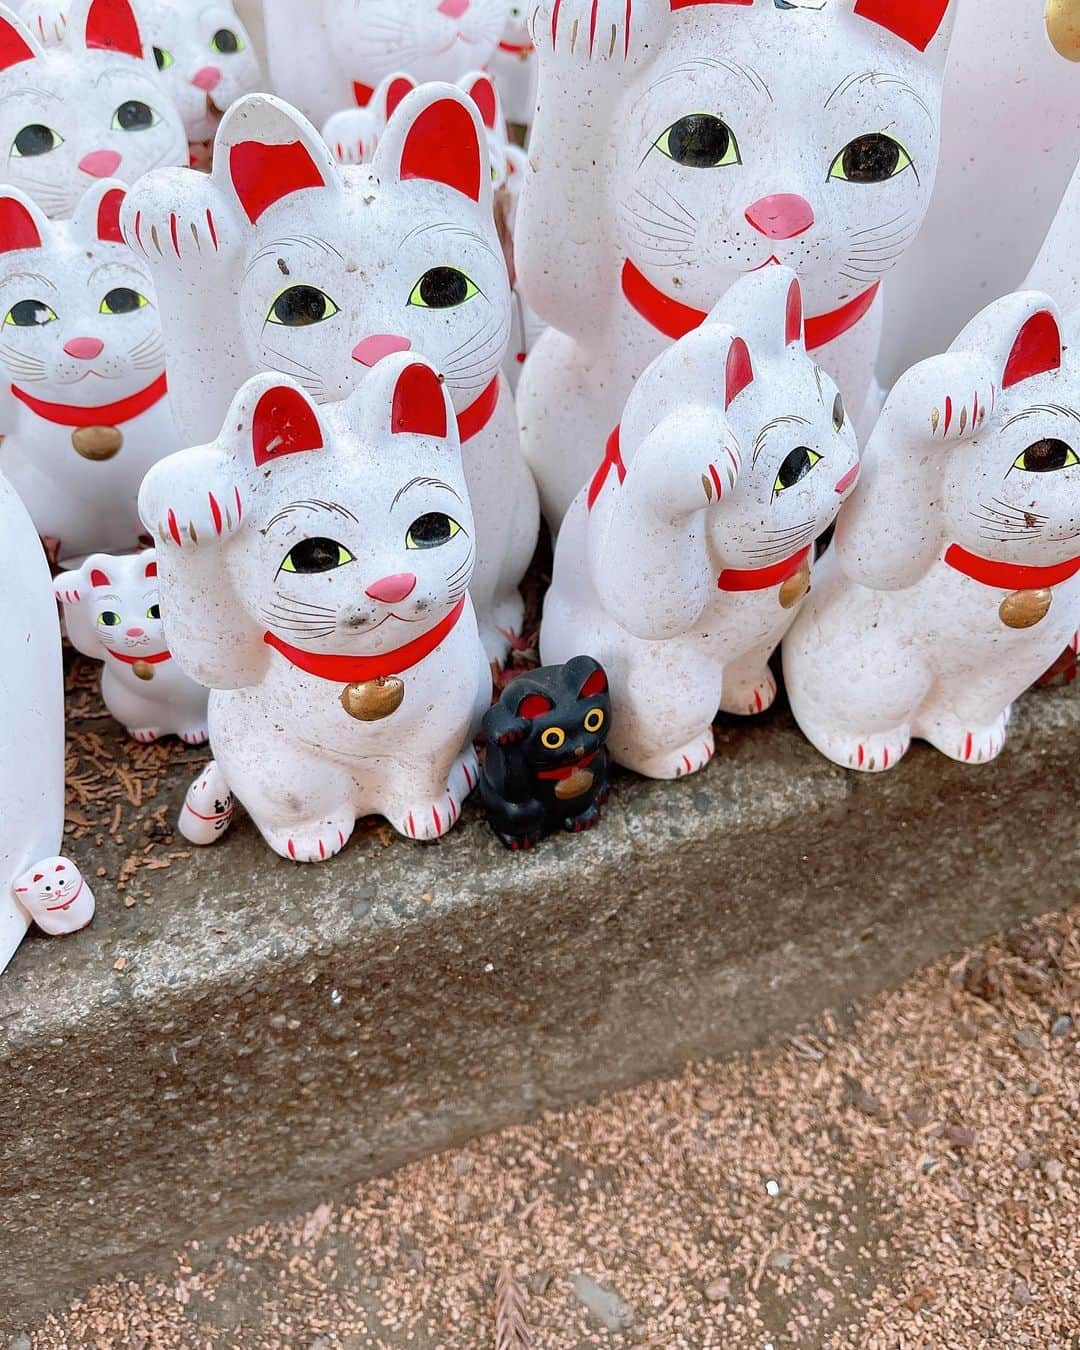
[[909, 1178]]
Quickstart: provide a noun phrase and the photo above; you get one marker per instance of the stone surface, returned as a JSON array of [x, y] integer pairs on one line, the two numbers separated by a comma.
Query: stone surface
[[276, 1031]]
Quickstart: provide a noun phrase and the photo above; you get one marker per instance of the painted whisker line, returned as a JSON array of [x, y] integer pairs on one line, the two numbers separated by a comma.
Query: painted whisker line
[[679, 225], [1014, 510], [883, 226]]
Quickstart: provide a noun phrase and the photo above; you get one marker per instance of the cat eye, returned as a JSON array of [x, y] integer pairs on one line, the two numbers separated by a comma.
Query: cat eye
[[795, 467], [873, 158], [553, 738], [838, 413], [700, 141], [301, 306], [36, 139], [29, 314], [443, 288], [431, 530], [163, 58], [316, 555], [109, 618], [594, 719], [226, 41], [1046, 456], [122, 300], [134, 115], [154, 612]]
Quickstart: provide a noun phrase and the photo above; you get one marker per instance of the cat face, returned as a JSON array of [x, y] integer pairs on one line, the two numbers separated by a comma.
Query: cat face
[[568, 710], [78, 321], [49, 889], [92, 107], [432, 39], [120, 599], [516, 31]]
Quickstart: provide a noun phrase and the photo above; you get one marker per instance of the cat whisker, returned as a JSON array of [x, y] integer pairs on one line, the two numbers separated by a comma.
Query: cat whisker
[[679, 206], [680, 225], [870, 229], [1012, 510]]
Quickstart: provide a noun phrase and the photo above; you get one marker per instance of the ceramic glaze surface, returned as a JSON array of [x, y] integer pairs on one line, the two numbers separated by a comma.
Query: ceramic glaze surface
[[676, 150], [684, 561], [314, 566], [956, 576]]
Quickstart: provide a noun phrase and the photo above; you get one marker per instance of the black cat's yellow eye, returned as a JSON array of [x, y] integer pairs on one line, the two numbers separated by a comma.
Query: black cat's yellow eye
[[108, 618], [316, 555], [163, 58], [443, 288], [700, 141], [797, 464], [122, 300], [36, 139], [1046, 456], [431, 530], [134, 115], [29, 314], [594, 719], [154, 612], [226, 42], [873, 158], [838, 413], [553, 738], [301, 306]]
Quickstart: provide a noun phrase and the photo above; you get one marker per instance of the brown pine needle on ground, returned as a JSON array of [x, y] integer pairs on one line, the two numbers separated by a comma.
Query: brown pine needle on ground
[[511, 1329]]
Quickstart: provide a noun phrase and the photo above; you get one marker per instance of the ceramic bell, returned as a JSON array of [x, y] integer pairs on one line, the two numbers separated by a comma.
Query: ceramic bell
[[685, 559], [513, 67], [84, 407], [660, 172], [314, 566], [112, 612], [283, 260], [353, 133], [954, 579], [90, 107]]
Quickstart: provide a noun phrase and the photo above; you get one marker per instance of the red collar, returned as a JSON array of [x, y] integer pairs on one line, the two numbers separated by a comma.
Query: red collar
[[52, 909], [612, 460], [762, 578], [360, 669], [517, 48], [479, 413], [106, 415], [674, 319], [560, 775], [1009, 576], [154, 660]]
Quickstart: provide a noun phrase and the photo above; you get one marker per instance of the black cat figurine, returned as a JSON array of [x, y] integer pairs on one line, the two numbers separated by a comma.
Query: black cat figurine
[[547, 764]]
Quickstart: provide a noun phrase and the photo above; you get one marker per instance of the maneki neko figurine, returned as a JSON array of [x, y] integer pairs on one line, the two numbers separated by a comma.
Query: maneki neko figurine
[[314, 566], [353, 133], [283, 260], [513, 66], [91, 106], [333, 54], [679, 146], [685, 560], [954, 578], [112, 612], [84, 406]]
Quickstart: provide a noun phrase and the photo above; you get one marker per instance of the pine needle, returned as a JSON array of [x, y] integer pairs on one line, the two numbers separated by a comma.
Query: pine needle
[[511, 1328]]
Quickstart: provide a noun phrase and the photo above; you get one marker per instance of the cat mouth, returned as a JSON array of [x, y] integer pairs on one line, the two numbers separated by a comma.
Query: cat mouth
[[771, 261]]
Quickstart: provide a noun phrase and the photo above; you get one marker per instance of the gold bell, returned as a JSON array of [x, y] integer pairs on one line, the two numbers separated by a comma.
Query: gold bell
[[373, 700], [1063, 27], [796, 586], [1024, 609], [97, 443], [143, 670]]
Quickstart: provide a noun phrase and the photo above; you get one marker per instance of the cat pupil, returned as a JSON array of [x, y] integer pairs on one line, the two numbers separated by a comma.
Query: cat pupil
[[122, 300], [443, 287], [316, 555], [35, 139], [1045, 456], [431, 530], [299, 306], [134, 116], [837, 413], [225, 40], [795, 467], [699, 141], [30, 313], [871, 159], [159, 58]]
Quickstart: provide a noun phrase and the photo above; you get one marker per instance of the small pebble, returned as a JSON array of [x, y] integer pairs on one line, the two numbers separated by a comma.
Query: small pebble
[[1062, 1026], [718, 1291]]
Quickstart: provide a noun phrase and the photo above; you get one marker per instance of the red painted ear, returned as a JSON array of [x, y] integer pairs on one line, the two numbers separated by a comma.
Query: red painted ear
[[1037, 349], [793, 318], [534, 705], [111, 26], [13, 45], [740, 372], [482, 93], [396, 92], [151, 570], [685, 4], [108, 216], [595, 684], [99, 578], [362, 93], [18, 229], [442, 147], [284, 424], [915, 21], [263, 174], [419, 403]]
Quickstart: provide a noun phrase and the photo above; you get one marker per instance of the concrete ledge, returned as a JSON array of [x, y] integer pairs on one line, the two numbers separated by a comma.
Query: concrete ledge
[[278, 1032]]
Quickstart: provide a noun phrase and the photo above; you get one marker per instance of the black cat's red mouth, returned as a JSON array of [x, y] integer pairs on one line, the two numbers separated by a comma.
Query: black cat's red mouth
[[579, 761]]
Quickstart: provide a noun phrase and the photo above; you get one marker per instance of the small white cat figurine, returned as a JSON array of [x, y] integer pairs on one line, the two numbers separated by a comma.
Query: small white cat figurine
[[513, 66], [353, 133], [90, 107], [335, 545], [683, 563], [84, 407], [55, 895], [113, 614], [954, 579]]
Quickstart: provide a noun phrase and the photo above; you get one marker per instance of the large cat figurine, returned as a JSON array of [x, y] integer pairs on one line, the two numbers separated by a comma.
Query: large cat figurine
[[684, 561], [84, 407], [90, 107], [283, 260], [954, 579], [330, 54], [678, 147], [314, 567]]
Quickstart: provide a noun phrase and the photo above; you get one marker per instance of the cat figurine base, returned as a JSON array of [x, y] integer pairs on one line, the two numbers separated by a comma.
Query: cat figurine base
[[546, 766]]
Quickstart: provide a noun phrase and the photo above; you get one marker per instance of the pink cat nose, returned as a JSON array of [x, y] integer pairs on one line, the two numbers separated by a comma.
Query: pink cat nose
[[782, 216], [136, 632], [100, 163], [453, 9], [84, 349], [206, 79], [372, 350], [392, 589]]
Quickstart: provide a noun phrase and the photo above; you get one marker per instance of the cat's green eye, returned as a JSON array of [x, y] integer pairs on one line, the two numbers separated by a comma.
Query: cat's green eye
[[700, 141], [795, 467], [1046, 456], [163, 58], [29, 314], [316, 555], [109, 619], [122, 300], [226, 42], [134, 115], [443, 288], [594, 719], [553, 738], [301, 306], [873, 158], [431, 530], [36, 139], [154, 612]]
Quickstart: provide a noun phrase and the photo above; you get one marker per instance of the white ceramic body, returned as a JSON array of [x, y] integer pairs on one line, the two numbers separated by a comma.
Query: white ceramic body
[[514, 68], [895, 641], [1054, 270], [643, 576]]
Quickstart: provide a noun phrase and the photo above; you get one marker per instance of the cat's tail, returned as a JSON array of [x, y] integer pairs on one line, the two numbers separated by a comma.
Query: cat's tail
[[208, 807]]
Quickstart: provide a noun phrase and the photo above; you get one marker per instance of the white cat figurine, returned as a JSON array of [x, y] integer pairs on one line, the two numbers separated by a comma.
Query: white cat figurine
[[84, 407], [113, 614], [90, 107], [55, 895], [956, 575], [513, 67], [353, 133], [683, 563], [679, 146], [283, 260], [315, 565]]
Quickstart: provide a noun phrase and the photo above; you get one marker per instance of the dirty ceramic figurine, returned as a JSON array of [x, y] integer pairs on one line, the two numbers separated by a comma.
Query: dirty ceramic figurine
[[335, 53], [661, 171], [685, 560], [84, 407], [314, 565], [31, 736], [112, 613], [353, 133], [55, 895], [513, 66], [954, 580], [546, 764], [91, 107], [284, 260]]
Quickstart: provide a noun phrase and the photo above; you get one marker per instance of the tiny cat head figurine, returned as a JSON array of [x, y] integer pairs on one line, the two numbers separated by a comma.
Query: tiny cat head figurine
[[55, 895], [88, 108], [547, 766]]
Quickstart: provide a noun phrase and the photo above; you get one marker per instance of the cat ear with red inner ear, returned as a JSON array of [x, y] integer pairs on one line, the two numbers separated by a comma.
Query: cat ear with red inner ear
[[916, 22], [399, 87], [595, 685], [482, 92], [108, 216], [793, 317], [437, 140], [99, 578], [419, 403], [739, 371], [533, 706], [284, 423], [150, 571], [19, 227], [16, 43], [111, 26], [268, 152], [1036, 350]]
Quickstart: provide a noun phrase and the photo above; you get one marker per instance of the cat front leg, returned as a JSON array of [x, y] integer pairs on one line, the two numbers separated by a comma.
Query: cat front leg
[[749, 684]]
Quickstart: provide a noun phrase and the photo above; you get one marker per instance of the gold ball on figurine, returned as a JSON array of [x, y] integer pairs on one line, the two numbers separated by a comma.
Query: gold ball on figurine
[[97, 443], [796, 586], [1024, 609], [373, 699]]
